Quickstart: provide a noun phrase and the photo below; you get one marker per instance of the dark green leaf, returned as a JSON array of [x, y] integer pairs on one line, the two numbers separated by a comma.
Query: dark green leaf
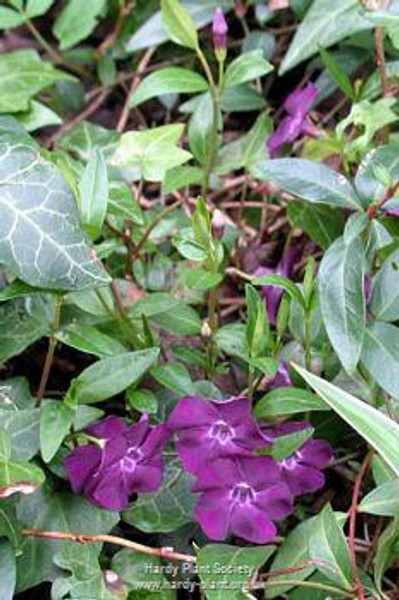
[[179, 24], [56, 419], [171, 80], [76, 21], [323, 224], [287, 401], [338, 74], [248, 66], [93, 194], [380, 355], [383, 500], [8, 571], [282, 282]]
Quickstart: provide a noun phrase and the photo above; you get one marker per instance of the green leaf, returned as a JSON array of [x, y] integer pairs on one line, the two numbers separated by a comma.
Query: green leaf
[[56, 419], [231, 339], [76, 21], [38, 116], [8, 571], [287, 401], [308, 180], [89, 339], [368, 185], [18, 477], [175, 377], [200, 129], [10, 18], [152, 152], [142, 400], [381, 432], [385, 299], [281, 282], [22, 75], [343, 306], [112, 375], [143, 572], [54, 511], [180, 177], [93, 194], [248, 66], [23, 429], [37, 8], [285, 445], [387, 551], [324, 25], [9, 525], [178, 23], [169, 508], [338, 74], [85, 137], [383, 500], [380, 355], [258, 328], [328, 548], [22, 322], [293, 552], [200, 279], [222, 567], [246, 150], [57, 256], [171, 80], [323, 224]]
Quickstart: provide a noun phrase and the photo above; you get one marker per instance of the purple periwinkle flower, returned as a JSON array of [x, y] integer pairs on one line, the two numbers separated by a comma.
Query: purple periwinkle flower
[[297, 122], [209, 430], [219, 30], [241, 497], [127, 460], [272, 294], [302, 471], [282, 378]]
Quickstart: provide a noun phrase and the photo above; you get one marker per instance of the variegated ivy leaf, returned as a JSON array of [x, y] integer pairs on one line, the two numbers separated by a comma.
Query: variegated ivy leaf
[[41, 239]]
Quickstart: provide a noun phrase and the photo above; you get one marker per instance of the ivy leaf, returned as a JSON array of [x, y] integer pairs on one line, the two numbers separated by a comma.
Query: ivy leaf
[[8, 571], [169, 508], [76, 21], [171, 80], [22, 75], [57, 256], [152, 152], [16, 476], [342, 300]]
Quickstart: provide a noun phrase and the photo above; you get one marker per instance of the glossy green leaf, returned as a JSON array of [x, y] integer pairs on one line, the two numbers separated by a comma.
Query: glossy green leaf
[[328, 548], [381, 432], [142, 400], [387, 551], [199, 279], [38, 116], [248, 66], [179, 24], [57, 256], [323, 224], [175, 377], [385, 298], [287, 401], [141, 572], [8, 571], [76, 21], [18, 477], [36, 8], [222, 567], [338, 74], [383, 500], [380, 355], [367, 182], [22, 75], [341, 282], [93, 194], [258, 328], [324, 25], [89, 339], [200, 129], [308, 180], [56, 419], [171, 80], [110, 376], [282, 282], [10, 18]]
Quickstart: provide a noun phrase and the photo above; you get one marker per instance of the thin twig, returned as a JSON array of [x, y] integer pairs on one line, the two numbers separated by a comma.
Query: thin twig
[[83, 538], [352, 524], [124, 116], [124, 12], [380, 58], [152, 226], [50, 352]]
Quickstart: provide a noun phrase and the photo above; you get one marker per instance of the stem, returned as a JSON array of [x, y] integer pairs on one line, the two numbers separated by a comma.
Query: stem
[[43, 43], [152, 226], [82, 538], [361, 594], [389, 193], [243, 196], [308, 340], [50, 352], [381, 62]]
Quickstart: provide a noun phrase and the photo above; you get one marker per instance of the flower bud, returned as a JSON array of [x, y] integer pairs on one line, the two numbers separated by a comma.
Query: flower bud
[[219, 30], [218, 224]]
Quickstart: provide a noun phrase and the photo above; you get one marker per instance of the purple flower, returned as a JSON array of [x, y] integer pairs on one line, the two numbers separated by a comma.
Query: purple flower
[[219, 30], [297, 123], [272, 294], [302, 471], [209, 430], [282, 377], [128, 461], [241, 497]]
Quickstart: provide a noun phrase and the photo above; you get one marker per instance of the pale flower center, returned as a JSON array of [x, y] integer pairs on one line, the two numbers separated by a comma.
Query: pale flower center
[[129, 462], [222, 432], [242, 493]]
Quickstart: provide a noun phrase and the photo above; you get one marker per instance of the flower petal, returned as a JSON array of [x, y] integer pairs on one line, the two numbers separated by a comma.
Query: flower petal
[[300, 100], [81, 464], [275, 501], [252, 524], [107, 428], [287, 132], [315, 453], [192, 412], [303, 480], [212, 513], [259, 472]]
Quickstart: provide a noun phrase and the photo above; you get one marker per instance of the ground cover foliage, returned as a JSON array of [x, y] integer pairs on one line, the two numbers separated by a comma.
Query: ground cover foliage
[[199, 299]]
